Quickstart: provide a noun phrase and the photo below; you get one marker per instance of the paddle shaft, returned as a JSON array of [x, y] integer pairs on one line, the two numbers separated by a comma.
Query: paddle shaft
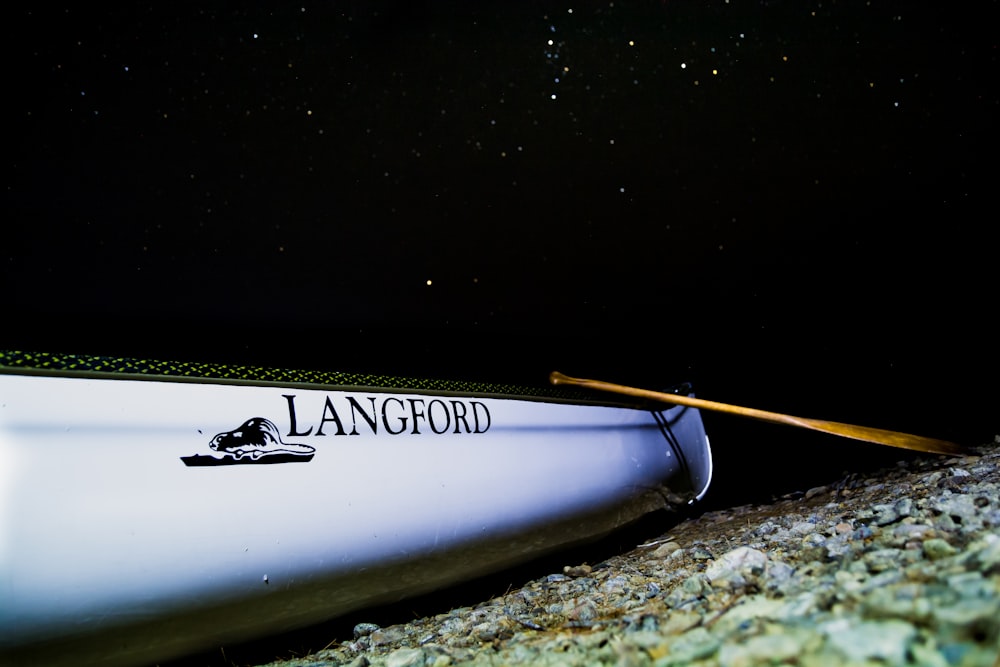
[[875, 435]]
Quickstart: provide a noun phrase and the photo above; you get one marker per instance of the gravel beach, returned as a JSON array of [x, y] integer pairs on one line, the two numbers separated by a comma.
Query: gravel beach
[[896, 567]]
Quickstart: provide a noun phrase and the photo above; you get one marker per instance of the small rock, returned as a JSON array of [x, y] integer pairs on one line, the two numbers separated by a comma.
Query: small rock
[[910, 531], [767, 649], [837, 547], [695, 644], [694, 587], [863, 532], [752, 608], [884, 641], [910, 602], [885, 514], [814, 547], [577, 570], [904, 507], [616, 585], [732, 568], [778, 573], [816, 491], [936, 548], [933, 478], [364, 629], [881, 560], [680, 621], [666, 549], [585, 611], [701, 553], [803, 528], [405, 657], [960, 508], [766, 528], [384, 636], [984, 555], [484, 632]]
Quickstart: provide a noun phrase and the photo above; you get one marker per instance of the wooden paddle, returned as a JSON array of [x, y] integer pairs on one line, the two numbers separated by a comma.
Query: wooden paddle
[[876, 435]]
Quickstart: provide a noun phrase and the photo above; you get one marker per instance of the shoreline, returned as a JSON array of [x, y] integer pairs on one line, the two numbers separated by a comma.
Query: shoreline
[[898, 566]]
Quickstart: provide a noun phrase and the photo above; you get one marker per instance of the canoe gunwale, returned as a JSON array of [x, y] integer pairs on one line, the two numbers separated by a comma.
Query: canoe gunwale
[[409, 386]]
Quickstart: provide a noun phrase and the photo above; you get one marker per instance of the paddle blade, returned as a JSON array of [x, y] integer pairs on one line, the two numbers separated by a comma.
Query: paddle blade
[[880, 436]]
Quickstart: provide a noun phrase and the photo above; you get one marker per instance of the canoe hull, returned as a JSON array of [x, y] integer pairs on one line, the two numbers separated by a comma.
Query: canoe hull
[[145, 519]]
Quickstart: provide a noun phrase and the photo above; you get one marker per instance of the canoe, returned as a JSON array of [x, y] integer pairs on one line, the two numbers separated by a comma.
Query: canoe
[[153, 509]]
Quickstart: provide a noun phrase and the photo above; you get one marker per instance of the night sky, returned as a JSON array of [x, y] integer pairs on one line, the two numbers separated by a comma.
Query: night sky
[[787, 203]]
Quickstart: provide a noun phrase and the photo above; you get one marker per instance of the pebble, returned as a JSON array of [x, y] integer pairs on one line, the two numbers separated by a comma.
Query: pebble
[[364, 629], [385, 636], [701, 553], [984, 555], [733, 568], [405, 657], [666, 550], [577, 570], [936, 548], [884, 641], [766, 649]]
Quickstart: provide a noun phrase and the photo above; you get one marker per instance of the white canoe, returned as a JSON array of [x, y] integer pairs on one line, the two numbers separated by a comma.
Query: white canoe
[[152, 509]]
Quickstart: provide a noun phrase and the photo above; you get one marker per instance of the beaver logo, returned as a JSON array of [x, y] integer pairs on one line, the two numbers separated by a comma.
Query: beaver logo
[[256, 441]]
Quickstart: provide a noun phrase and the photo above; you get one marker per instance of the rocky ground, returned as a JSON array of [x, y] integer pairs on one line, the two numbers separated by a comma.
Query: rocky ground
[[896, 567]]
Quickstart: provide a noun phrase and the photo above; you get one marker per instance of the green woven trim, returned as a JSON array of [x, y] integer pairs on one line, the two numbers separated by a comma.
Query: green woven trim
[[127, 368]]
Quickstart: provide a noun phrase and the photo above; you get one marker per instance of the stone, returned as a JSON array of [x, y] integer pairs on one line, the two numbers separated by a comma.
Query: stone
[[884, 641], [364, 629], [937, 548], [733, 567], [767, 649], [666, 549], [405, 657]]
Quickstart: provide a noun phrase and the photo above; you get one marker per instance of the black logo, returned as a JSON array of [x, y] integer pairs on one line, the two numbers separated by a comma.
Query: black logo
[[256, 441]]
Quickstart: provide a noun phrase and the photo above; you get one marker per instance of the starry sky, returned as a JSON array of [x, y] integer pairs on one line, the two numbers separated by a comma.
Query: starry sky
[[787, 203]]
